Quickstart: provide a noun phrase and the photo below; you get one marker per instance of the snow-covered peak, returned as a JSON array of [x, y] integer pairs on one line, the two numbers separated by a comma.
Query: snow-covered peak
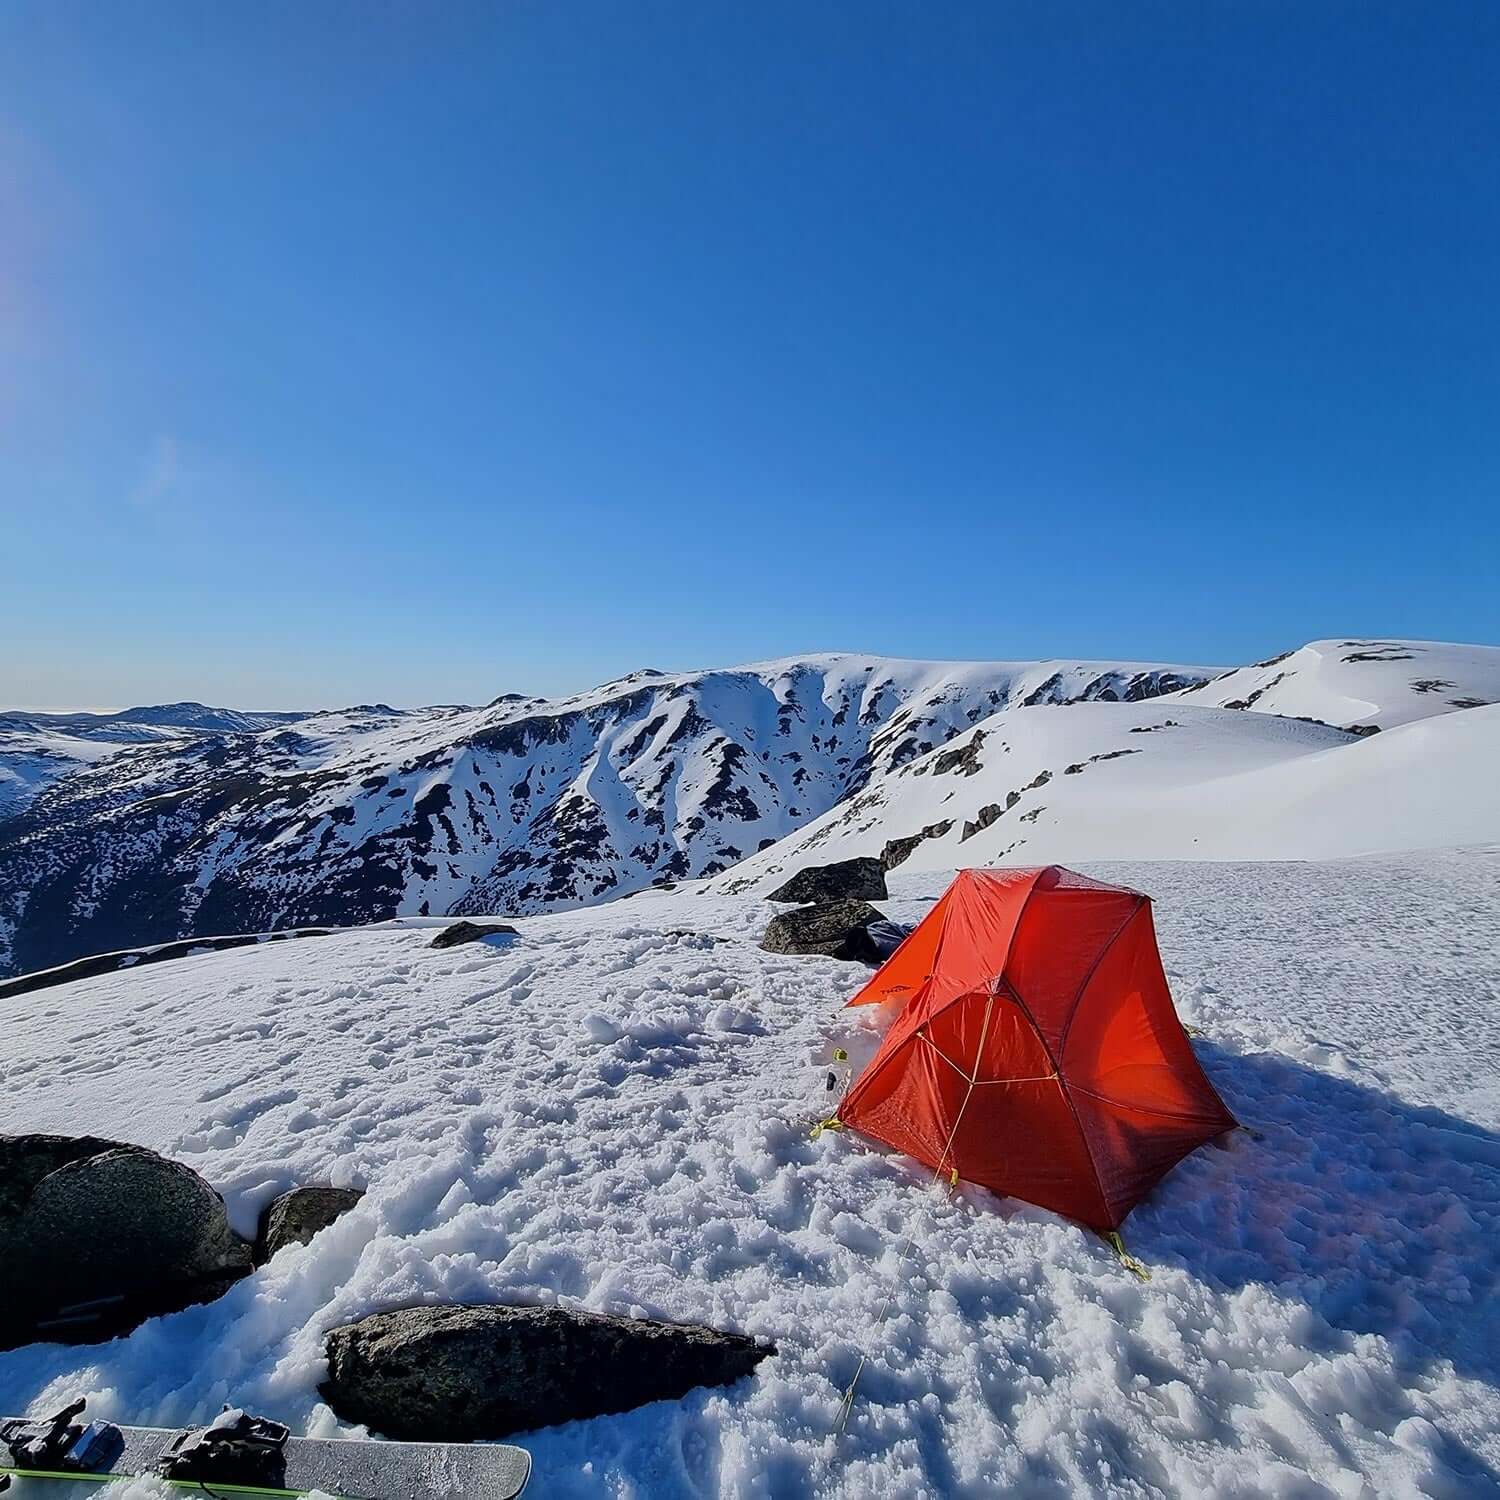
[[1159, 780], [1361, 683]]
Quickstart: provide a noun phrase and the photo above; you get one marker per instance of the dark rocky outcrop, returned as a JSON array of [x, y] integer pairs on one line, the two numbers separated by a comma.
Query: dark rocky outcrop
[[90, 1221], [965, 759], [847, 880], [837, 929], [133, 958], [295, 1217], [457, 1374], [471, 932], [898, 850]]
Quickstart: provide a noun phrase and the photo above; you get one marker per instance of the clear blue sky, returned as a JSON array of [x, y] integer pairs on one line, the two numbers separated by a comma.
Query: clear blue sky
[[429, 351]]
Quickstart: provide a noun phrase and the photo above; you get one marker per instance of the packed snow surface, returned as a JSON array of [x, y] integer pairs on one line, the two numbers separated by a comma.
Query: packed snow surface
[[611, 1111]]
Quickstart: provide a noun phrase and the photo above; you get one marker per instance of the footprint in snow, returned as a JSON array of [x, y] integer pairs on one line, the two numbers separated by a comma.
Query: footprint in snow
[[601, 1029]]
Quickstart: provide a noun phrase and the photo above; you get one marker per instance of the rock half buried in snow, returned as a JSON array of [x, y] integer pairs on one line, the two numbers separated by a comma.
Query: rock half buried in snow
[[26, 1159], [110, 1224], [455, 1374], [848, 880], [471, 932], [295, 1217], [838, 929]]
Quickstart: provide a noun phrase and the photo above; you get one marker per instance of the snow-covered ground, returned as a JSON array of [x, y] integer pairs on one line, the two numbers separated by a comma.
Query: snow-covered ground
[[612, 1109]]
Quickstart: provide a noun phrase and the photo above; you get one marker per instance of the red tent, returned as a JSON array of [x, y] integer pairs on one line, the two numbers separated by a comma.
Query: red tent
[[1038, 1052]]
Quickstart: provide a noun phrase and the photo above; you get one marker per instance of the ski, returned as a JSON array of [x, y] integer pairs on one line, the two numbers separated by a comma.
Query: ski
[[242, 1455]]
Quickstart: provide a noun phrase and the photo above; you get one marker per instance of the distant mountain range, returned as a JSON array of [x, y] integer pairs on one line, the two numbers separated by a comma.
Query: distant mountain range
[[37, 749], [179, 821], [197, 717]]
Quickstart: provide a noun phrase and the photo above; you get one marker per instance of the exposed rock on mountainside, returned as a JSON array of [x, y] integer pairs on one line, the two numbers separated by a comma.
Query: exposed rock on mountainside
[[848, 880], [457, 1374], [897, 850], [522, 806]]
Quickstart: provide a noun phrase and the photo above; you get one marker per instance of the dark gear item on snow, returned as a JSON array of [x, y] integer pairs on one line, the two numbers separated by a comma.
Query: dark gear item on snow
[[235, 1448], [61, 1443]]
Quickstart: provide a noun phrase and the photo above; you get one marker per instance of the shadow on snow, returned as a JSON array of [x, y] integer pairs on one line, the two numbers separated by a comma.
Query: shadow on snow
[[1383, 1217]]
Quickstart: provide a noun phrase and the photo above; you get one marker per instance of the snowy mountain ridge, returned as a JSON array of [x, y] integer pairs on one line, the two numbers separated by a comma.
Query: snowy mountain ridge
[[1250, 765], [524, 805], [1357, 684], [136, 723]]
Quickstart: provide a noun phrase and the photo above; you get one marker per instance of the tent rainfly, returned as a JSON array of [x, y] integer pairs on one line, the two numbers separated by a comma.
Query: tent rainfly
[[1037, 1053]]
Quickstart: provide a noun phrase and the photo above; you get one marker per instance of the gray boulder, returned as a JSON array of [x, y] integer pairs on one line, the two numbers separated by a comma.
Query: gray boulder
[[26, 1159], [471, 932], [839, 929], [295, 1217], [109, 1223], [457, 1374], [847, 880]]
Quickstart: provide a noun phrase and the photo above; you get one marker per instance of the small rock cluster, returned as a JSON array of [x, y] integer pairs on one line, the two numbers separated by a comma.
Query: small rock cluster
[[838, 919], [98, 1235], [471, 932]]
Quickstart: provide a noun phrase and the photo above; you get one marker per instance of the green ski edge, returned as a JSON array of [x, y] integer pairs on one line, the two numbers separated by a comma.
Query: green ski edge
[[217, 1487]]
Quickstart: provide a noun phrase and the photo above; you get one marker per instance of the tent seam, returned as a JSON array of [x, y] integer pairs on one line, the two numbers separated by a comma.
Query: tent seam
[[922, 1036], [1144, 1109], [1062, 1088], [1062, 1041]]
